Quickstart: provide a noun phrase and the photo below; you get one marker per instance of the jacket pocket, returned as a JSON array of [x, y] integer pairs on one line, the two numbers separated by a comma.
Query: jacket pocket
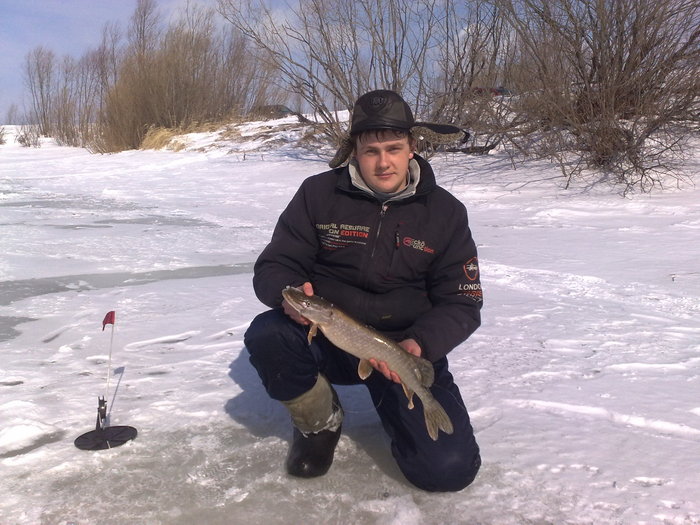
[[410, 258]]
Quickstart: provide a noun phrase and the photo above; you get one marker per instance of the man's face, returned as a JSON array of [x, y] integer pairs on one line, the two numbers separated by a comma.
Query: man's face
[[383, 159]]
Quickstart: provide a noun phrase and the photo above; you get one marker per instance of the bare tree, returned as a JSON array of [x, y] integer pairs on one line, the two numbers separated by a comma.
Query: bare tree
[[330, 51], [108, 57], [76, 101], [64, 104], [476, 55], [39, 72], [613, 80], [144, 28], [190, 72], [246, 79], [434, 52], [473, 50]]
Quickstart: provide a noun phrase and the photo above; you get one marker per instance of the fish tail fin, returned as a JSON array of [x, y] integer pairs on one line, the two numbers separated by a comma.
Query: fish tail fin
[[437, 419]]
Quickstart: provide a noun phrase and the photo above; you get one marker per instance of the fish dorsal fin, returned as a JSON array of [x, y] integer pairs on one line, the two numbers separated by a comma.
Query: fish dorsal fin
[[425, 371], [409, 395], [364, 369], [312, 331]]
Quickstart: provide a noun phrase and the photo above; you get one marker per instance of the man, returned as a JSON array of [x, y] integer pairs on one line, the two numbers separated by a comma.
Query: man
[[382, 241]]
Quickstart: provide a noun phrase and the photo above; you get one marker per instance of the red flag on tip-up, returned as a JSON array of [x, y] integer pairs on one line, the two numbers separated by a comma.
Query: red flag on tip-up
[[109, 319]]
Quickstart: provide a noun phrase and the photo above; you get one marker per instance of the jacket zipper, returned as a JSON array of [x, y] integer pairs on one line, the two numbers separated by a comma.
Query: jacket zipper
[[382, 213]]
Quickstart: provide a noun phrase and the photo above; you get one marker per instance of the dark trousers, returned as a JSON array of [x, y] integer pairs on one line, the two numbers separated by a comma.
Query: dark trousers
[[288, 366]]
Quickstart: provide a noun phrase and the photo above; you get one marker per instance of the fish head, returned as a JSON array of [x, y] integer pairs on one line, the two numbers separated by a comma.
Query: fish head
[[316, 309]]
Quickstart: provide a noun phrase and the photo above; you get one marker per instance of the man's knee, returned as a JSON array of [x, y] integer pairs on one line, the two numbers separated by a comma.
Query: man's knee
[[267, 330], [272, 337], [450, 472], [279, 351]]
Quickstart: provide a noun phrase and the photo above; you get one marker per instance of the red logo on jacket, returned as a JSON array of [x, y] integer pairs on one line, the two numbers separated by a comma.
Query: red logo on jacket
[[417, 245]]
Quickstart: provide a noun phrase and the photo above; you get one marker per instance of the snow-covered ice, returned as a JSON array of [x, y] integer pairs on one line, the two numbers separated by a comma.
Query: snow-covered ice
[[583, 382]]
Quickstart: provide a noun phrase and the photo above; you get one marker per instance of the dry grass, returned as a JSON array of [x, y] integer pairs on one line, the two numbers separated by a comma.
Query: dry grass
[[160, 138], [171, 138], [230, 132]]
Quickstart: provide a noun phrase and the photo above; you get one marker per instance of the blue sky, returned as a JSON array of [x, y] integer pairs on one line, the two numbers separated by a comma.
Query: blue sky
[[66, 27]]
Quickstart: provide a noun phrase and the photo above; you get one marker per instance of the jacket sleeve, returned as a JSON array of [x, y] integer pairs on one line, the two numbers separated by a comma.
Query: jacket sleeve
[[454, 289], [289, 257]]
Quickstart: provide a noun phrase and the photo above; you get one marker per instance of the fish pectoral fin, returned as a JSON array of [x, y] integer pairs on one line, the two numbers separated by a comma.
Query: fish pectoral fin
[[312, 331], [364, 369], [409, 395], [425, 371]]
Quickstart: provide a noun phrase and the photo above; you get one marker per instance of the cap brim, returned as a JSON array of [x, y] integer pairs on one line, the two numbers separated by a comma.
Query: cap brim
[[441, 129], [437, 133]]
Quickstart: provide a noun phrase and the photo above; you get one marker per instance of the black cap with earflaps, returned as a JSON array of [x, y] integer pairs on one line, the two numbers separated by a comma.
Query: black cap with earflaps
[[385, 109], [381, 109]]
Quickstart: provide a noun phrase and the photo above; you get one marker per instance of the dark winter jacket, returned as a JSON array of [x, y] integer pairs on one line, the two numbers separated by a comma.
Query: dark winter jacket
[[408, 268]]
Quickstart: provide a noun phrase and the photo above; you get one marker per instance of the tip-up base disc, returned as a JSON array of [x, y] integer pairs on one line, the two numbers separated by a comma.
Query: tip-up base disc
[[104, 438]]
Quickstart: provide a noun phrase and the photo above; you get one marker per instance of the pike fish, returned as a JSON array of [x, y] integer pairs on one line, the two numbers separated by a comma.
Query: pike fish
[[417, 374]]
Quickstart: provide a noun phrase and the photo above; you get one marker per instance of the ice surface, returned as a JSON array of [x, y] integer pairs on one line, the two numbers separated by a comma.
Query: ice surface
[[583, 383]]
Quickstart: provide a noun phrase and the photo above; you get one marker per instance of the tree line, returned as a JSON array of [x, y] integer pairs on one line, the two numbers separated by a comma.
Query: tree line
[[191, 71], [608, 85]]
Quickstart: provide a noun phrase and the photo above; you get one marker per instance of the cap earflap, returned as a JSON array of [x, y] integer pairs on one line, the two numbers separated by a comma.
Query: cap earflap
[[342, 156]]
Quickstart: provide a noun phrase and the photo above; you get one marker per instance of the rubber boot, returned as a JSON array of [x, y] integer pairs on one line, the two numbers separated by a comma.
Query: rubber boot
[[317, 417]]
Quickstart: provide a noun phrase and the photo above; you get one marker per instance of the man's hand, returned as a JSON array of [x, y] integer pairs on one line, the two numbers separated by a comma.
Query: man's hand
[[308, 289], [411, 346]]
